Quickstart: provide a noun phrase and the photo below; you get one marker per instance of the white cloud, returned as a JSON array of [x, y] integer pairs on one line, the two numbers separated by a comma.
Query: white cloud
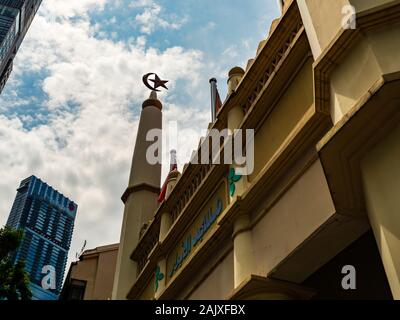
[[231, 52], [70, 8], [140, 3], [151, 19]]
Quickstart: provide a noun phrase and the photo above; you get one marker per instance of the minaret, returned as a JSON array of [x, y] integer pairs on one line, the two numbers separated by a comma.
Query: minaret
[[140, 198]]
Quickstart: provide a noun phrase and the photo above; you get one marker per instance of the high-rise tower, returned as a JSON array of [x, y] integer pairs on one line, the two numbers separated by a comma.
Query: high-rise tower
[[15, 19], [47, 219], [140, 198]]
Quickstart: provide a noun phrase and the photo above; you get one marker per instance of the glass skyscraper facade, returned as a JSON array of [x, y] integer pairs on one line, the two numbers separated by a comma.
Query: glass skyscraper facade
[[47, 219], [15, 18]]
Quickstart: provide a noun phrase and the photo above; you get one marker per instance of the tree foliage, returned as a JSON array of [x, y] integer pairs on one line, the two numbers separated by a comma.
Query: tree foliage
[[14, 281]]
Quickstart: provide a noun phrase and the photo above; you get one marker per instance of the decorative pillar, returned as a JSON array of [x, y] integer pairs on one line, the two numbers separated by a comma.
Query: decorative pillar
[[242, 235], [237, 183], [243, 254], [165, 225]]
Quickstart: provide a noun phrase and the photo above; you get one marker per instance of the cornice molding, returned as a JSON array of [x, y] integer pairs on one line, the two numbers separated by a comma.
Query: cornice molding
[[137, 188]]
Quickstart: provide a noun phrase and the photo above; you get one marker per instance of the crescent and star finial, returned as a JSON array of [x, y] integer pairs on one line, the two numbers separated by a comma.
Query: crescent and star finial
[[157, 82]]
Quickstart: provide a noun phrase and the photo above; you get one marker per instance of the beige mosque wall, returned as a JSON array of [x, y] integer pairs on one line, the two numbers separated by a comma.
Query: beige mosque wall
[[385, 44], [148, 292], [295, 217], [219, 283], [381, 176], [286, 114]]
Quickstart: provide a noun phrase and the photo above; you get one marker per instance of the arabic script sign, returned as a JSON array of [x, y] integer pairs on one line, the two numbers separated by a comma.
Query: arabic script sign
[[205, 221]]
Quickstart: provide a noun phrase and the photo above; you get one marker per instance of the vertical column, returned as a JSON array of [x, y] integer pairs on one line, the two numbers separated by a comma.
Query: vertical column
[[243, 254], [242, 234], [381, 178], [237, 184], [165, 225]]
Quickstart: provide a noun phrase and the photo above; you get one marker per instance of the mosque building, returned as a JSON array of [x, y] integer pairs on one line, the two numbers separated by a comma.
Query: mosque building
[[318, 217]]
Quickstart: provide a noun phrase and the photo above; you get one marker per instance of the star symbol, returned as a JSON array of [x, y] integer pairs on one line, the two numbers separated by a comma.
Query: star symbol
[[159, 83]]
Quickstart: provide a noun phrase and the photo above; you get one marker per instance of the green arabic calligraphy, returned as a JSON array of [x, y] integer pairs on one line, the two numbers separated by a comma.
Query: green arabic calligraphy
[[192, 241]]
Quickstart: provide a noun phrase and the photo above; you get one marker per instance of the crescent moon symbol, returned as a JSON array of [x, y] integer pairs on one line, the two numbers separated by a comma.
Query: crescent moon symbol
[[146, 81]]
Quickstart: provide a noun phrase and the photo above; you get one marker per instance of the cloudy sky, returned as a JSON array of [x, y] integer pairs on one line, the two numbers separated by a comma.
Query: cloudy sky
[[69, 113]]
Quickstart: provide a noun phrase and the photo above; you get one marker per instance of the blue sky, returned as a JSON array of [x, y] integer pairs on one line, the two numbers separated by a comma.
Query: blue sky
[[69, 112]]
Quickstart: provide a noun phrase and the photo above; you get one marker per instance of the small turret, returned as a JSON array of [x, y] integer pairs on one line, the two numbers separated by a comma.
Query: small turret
[[235, 75]]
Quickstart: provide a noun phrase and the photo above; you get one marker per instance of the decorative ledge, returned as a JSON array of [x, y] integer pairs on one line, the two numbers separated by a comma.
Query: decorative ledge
[[257, 288], [139, 187]]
